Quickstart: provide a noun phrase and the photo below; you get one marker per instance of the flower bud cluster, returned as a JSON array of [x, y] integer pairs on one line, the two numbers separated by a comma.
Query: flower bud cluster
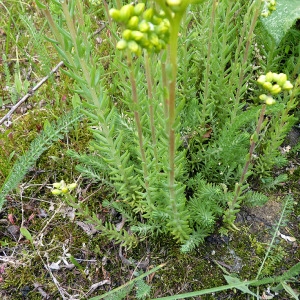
[[144, 29], [269, 7], [63, 188], [274, 83]]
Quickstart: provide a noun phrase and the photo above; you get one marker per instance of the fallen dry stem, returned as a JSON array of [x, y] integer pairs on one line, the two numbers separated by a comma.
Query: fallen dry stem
[[30, 92]]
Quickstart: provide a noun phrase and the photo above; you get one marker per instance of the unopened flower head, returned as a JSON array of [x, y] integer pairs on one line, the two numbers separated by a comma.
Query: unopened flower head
[[144, 28], [274, 83], [61, 187], [269, 7]]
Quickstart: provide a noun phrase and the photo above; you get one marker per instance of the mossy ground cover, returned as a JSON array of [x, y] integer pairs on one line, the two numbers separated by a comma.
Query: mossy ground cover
[[68, 257]]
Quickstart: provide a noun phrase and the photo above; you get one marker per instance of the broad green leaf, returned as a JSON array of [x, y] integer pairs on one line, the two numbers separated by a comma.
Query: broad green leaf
[[75, 262], [243, 288], [282, 19], [289, 290], [40, 4], [26, 234]]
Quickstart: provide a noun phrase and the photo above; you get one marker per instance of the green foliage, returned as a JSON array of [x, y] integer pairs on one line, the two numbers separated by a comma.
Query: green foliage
[[142, 289], [179, 162], [51, 133]]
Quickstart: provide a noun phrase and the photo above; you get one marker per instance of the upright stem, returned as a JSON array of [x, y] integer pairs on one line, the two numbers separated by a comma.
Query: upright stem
[[244, 61], [151, 109], [138, 120], [207, 71], [165, 89], [250, 154], [175, 25]]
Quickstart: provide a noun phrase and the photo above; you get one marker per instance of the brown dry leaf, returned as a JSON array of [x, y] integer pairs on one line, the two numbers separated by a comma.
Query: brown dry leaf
[[89, 229], [14, 230], [287, 237], [68, 211], [10, 218], [120, 225], [207, 134], [96, 285]]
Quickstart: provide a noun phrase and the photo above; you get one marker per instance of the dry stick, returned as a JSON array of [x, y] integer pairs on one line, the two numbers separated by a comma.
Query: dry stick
[[30, 92]]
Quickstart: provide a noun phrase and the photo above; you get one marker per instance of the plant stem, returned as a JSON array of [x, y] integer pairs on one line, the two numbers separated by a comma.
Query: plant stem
[[207, 70], [175, 25], [247, 164], [237, 101], [138, 119], [165, 89], [151, 109]]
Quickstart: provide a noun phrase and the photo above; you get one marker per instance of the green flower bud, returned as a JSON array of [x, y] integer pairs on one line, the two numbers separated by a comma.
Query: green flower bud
[[265, 14], [71, 186], [115, 14], [126, 34], [270, 101], [156, 20], [158, 48], [121, 45], [56, 192], [162, 29], [276, 89], [57, 185], [267, 85], [148, 14], [269, 76], [272, 8], [263, 97], [133, 22], [287, 86], [137, 35], [282, 78], [133, 46], [138, 9], [275, 77], [261, 79], [153, 38], [174, 2], [144, 26], [126, 12], [161, 13], [144, 42], [64, 190]]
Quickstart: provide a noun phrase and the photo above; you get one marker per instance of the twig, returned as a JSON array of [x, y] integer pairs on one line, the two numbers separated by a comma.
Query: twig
[[30, 92], [103, 25]]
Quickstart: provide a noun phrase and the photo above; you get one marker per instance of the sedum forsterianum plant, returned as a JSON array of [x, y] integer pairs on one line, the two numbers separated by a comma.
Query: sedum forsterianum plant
[[175, 147]]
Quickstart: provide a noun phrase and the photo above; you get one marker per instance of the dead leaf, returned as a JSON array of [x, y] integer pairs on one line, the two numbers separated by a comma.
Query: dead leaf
[[41, 291], [10, 218], [14, 230], [286, 237], [120, 225], [42, 213], [89, 229], [55, 266], [68, 211], [96, 285]]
